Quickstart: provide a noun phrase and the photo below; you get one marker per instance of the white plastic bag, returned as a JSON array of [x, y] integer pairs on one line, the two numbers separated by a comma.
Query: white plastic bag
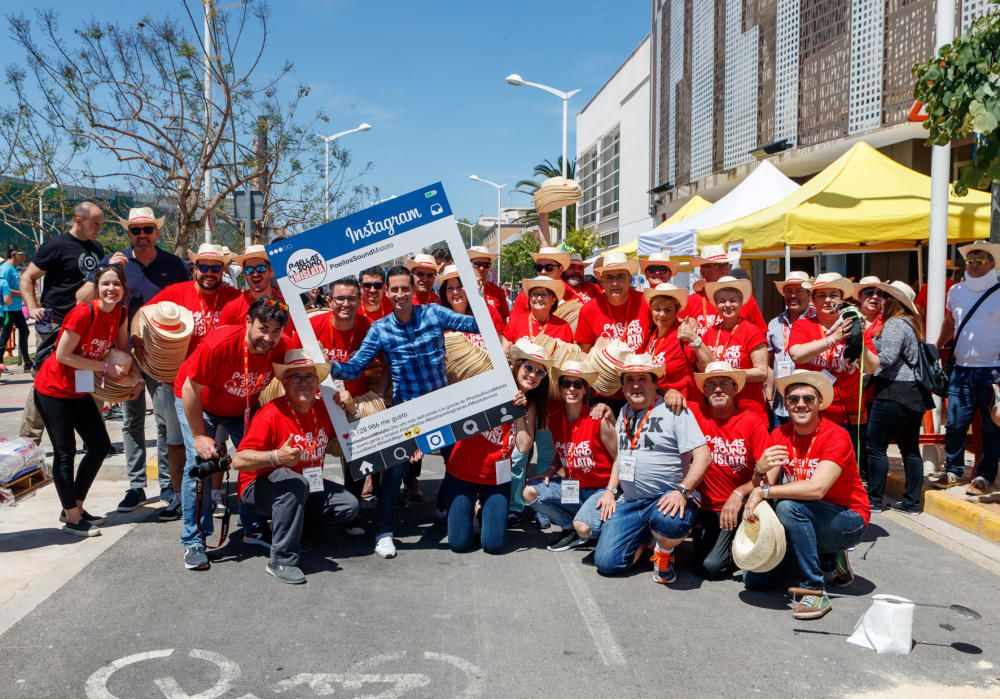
[[887, 626], [20, 456]]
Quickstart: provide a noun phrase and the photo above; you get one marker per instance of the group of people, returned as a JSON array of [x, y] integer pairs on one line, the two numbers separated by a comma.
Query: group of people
[[711, 410]]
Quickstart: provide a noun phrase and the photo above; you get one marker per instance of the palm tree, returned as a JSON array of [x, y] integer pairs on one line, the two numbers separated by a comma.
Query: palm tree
[[545, 170]]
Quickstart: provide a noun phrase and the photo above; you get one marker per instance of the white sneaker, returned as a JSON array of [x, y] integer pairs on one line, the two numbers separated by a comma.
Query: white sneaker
[[384, 548]]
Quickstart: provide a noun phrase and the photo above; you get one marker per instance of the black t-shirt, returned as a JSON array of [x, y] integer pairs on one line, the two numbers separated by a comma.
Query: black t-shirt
[[66, 261], [146, 282]]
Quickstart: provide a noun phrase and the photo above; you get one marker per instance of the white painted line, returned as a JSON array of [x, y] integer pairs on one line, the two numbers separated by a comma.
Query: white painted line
[[928, 527], [97, 684], [473, 672], [607, 646]]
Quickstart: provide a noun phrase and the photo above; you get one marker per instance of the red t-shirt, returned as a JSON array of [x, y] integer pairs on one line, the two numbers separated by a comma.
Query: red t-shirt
[[579, 447], [218, 366], [847, 386], [736, 444], [384, 309], [340, 345], [707, 315], [274, 424], [587, 291], [496, 299], [424, 298], [521, 300], [97, 330], [629, 322], [205, 309], [678, 362], [921, 299], [734, 346], [830, 442], [524, 325], [474, 459]]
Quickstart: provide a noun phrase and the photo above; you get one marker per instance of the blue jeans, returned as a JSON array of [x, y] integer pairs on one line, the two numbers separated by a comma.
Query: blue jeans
[[971, 390], [461, 497], [629, 528], [134, 434], [191, 535], [388, 498], [816, 530], [550, 504]]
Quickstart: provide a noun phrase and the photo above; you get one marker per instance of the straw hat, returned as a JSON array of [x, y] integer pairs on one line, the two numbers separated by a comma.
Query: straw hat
[[792, 278], [760, 546], [617, 260], [554, 254], [555, 193], [575, 369], [141, 215], [717, 370], [209, 253], [252, 252], [556, 286], [816, 379], [992, 249], [666, 289], [830, 280], [711, 254], [744, 286], [449, 272], [464, 359], [570, 312], [529, 351], [640, 364], [660, 258], [902, 292], [297, 359], [866, 282], [167, 320], [561, 352], [606, 358], [422, 261], [478, 252]]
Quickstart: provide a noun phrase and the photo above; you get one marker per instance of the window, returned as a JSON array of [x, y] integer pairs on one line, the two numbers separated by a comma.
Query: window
[[598, 175]]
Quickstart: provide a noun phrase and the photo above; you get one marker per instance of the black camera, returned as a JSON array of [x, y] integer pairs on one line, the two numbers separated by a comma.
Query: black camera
[[854, 342], [203, 468]]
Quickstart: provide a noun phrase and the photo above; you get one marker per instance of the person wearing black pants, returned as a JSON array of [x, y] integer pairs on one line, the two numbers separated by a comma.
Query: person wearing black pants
[[15, 319]]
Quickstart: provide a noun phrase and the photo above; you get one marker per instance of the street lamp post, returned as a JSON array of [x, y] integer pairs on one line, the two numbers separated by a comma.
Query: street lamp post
[[499, 188], [470, 226], [517, 80], [327, 140]]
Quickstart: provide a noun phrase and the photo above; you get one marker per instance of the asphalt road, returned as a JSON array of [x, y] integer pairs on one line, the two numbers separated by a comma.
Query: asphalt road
[[430, 623]]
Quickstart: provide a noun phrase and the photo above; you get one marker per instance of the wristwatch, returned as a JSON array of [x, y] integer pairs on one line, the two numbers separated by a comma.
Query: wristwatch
[[765, 488], [696, 342], [684, 491]]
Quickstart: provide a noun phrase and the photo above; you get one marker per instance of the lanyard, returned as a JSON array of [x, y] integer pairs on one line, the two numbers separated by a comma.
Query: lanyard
[[729, 341], [656, 342], [333, 337], [541, 326], [795, 451], [633, 437], [311, 444], [207, 314], [246, 384]]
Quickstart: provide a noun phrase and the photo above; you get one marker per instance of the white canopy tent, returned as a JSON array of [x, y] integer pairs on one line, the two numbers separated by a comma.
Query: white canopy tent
[[761, 188]]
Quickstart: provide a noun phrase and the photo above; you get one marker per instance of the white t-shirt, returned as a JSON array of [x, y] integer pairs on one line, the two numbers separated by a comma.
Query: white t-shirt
[[979, 344]]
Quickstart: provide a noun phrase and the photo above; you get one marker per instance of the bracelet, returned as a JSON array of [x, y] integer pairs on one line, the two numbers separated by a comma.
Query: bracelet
[[613, 492], [274, 457], [760, 474], [740, 495]]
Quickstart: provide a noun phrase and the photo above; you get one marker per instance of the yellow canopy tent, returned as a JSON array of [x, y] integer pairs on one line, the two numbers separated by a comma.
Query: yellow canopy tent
[[862, 199], [690, 208]]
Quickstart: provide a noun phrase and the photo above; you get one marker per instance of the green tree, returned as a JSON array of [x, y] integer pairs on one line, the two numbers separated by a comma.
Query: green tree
[[516, 262], [545, 170], [580, 240], [960, 89]]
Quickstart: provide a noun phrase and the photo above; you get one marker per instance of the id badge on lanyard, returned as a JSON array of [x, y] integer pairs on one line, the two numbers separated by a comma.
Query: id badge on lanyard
[[570, 492], [314, 475], [626, 468]]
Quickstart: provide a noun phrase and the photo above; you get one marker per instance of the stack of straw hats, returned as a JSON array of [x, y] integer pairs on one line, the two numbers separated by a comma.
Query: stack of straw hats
[[463, 359], [606, 359], [555, 193], [272, 391], [116, 390], [165, 329], [559, 352], [760, 546], [365, 405], [570, 312]]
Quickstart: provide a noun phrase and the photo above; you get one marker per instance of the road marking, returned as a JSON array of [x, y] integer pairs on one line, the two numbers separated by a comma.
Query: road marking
[[611, 653], [97, 684], [229, 673], [324, 684], [473, 672], [916, 527]]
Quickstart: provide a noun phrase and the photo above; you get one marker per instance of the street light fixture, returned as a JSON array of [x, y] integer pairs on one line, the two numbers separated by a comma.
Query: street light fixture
[[499, 188], [470, 226], [516, 80], [327, 140]]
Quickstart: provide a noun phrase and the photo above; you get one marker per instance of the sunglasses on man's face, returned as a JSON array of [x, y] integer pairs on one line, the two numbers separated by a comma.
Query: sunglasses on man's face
[[256, 269], [369, 286], [549, 267], [269, 303], [976, 261], [209, 269], [578, 384], [482, 264], [795, 399], [657, 269], [148, 230]]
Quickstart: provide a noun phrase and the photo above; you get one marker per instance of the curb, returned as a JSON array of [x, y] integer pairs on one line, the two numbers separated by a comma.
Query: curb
[[963, 514]]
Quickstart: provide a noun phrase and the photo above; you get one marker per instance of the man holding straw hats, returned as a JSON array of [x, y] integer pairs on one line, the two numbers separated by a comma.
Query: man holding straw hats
[[620, 312]]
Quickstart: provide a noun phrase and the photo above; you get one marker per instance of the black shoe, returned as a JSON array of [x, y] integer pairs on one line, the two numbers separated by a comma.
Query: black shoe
[[905, 509], [82, 528], [286, 574], [171, 512], [569, 540], [134, 497], [113, 450], [93, 519]]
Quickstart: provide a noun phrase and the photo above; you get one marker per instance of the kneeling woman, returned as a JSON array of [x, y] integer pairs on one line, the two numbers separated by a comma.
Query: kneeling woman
[[479, 467], [62, 388], [586, 447]]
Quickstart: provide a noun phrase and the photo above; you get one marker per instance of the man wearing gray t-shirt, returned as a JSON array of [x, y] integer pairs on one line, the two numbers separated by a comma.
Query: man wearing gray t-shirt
[[662, 458]]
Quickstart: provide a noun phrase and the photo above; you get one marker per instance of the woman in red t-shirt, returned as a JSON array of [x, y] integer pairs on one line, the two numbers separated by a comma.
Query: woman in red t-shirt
[[543, 295], [585, 449], [665, 347], [452, 296], [63, 383], [479, 467], [734, 340]]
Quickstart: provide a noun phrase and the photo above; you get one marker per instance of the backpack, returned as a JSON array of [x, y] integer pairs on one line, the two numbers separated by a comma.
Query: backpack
[[928, 371]]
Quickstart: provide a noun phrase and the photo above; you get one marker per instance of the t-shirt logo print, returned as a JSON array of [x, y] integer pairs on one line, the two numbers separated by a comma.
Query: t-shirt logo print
[[236, 386], [86, 263]]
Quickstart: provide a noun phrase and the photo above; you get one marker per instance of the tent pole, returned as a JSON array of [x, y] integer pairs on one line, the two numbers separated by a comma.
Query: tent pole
[[788, 259], [920, 267]]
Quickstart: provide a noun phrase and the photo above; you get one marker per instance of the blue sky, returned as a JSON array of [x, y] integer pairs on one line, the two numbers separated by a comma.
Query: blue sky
[[429, 76]]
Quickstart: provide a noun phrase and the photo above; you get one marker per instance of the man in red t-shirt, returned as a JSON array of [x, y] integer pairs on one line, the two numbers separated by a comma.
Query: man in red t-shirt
[[425, 270], [218, 386], [496, 298], [736, 435], [620, 312], [374, 304], [713, 264], [575, 282], [549, 262], [259, 276], [280, 464], [810, 472]]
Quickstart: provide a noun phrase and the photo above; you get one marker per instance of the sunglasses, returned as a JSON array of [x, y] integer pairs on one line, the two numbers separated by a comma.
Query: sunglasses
[[549, 267], [270, 303], [976, 261], [721, 383], [795, 399], [482, 264], [148, 230], [256, 269], [538, 371], [345, 299], [657, 269], [578, 384], [369, 286], [206, 269]]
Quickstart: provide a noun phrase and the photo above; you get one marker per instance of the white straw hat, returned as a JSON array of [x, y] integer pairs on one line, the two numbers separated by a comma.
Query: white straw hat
[[640, 364], [615, 261], [554, 254], [529, 351], [760, 546], [142, 215], [668, 290], [902, 292], [298, 359], [792, 278], [209, 253], [660, 258], [831, 280], [714, 370], [556, 286], [991, 249], [864, 283], [423, 261], [744, 286], [555, 193], [478, 252], [816, 379], [711, 254], [252, 252]]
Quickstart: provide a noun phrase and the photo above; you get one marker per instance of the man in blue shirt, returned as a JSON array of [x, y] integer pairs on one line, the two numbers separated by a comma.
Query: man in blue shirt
[[13, 317], [412, 340], [148, 269]]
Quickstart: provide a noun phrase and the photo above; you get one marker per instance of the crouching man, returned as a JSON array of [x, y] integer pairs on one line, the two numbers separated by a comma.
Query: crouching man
[[280, 462], [811, 476], [662, 458]]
